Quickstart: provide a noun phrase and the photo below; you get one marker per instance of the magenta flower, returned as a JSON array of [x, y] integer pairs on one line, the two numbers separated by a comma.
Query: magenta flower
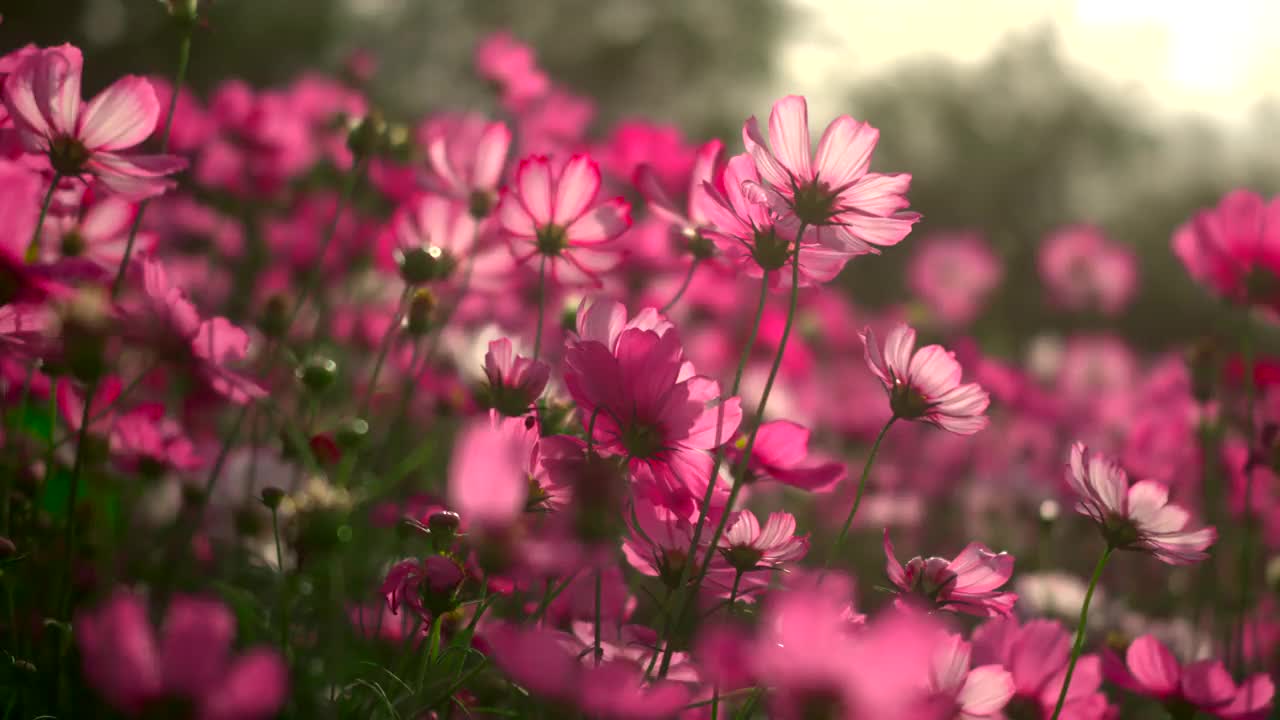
[[748, 232], [954, 273], [854, 211], [427, 238], [1234, 249], [428, 587], [1138, 517], [1151, 669], [1083, 269], [746, 546], [696, 217], [646, 401], [514, 382], [512, 65], [467, 158], [966, 584], [781, 454], [925, 384], [488, 481], [42, 96], [188, 665], [554, 214], [1036, 655], [961, 693], [141, 439]]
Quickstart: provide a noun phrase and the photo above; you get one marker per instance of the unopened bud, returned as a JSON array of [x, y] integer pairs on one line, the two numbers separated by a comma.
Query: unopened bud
[[275, 317], [84, 331], [443, 527], [424, 264], [351, 434], [272, 496], [417, 320], [367, 135], [318, 373]]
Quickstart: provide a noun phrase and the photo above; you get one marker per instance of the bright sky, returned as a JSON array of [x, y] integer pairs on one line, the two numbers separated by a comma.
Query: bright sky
[[1218, 59]]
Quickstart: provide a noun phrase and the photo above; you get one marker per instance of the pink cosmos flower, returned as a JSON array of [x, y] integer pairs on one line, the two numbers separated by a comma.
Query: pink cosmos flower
[[1036, 655], [1151, 669], [695, 217], [188, 664], [781, 454], [646, 401], [1083, 269], [427, 587], [925, 384], [504, 60], [514, 382], [964, 693], [140, 439], [954, 273], [854, 211], [554, 214], [1234, 249], [42, 96], [748, 232], [746, 546], [1138, 517], [488, 484], [427, 238], [467, 157], [98, 236], [966, 584]]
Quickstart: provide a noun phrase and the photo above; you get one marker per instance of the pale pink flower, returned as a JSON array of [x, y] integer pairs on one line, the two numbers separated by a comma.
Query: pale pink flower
[[427, 238], [1138, 517], [1036, 655], [1151, 669], [954, 273], [853, 210], [781, 454], [555, 215], [189, 662], [514, 381], [488, 481], [1084, 269], [966, 584], [963, 693], [467, 157], [1234, 248], [746, 546], [98, 236], [925, 384], [695, 217], [42, 96]]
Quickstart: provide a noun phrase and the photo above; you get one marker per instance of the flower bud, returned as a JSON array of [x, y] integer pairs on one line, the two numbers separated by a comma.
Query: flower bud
[[318, 373], [481, 203], [351, 434], [271, 497], [424, 264], [417, 320], [275, 317], [84, 334], [367, 135]]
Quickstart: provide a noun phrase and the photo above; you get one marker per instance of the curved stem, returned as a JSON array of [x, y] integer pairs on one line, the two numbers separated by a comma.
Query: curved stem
[[542, 301], [688, 278], [739, 473], [33, 247], [76, 470], [857, 498], [1080, 630], [385, 347], [179, 78]]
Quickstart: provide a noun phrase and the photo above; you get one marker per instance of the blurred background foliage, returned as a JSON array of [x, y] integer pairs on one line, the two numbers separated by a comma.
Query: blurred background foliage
[[1014, 146]]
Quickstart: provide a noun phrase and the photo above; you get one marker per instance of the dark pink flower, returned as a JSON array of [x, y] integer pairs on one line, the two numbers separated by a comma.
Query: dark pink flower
[[1138, 517], [854, 211], [925, 384], [555, 215], [781, 454], [954, 273], [428, 587], [964, 693], [1151, 669], [966, 584], [188, 665], [514, 382], [488, 480], [43, 98], [1083, 269], [1036, 654], [1234, 248]]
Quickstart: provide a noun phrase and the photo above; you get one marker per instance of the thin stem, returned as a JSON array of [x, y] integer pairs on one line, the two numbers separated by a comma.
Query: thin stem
[[179, 78], [1246, 545], [596, 644], [33, 247], [715, 693], [1080, 630], [313, 278], [76, 470], [283, 599], [857, 498], [7, 481], [387, 338], [550, 597], [739, 473], [542, 301], [688, 278]]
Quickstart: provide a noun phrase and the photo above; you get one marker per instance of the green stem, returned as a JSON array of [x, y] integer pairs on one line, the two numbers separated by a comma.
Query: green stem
[[542, 301], [1246, 544], [33, 247], [387, 338], [1080, 631], [595, 648], [740, 474], [76, 470], [857, 498], [433, 640], [715, 692], [688, 278], [284, 600], [179, 78]]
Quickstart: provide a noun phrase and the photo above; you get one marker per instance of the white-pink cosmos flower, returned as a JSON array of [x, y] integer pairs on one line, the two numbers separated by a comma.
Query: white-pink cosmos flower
[[554, 214], [1138, 517], [925, 384], [855, 211], [42, 96], [963, 693], [466, 159], [747, 546]]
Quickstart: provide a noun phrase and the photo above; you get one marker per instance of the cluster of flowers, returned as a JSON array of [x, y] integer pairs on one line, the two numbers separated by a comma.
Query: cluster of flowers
[[599, 453]]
